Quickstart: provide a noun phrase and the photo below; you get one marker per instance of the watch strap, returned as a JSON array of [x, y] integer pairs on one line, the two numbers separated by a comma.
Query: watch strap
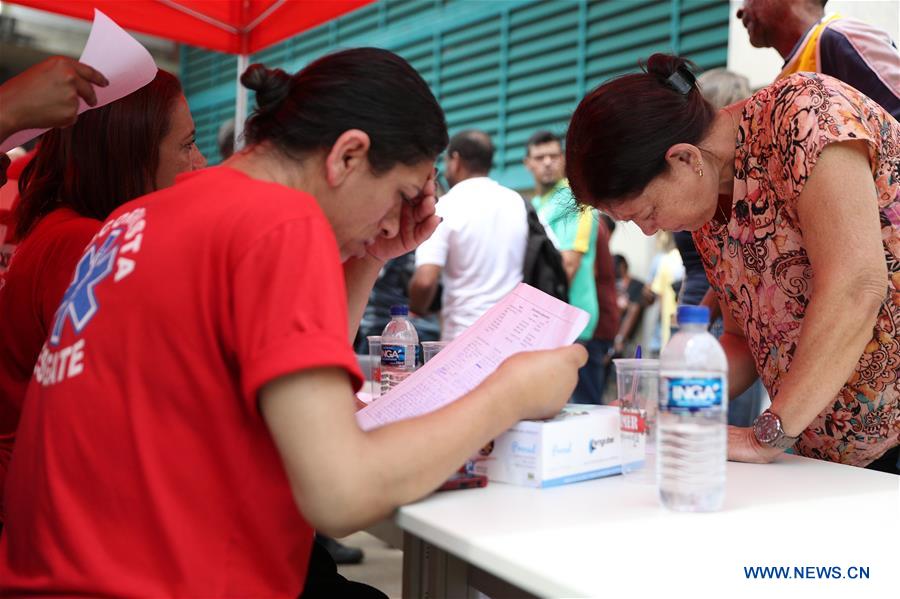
[[782, 440]]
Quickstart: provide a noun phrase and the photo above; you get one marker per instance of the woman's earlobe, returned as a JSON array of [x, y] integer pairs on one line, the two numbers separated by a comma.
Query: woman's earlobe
[[335, 172], [349, 150]]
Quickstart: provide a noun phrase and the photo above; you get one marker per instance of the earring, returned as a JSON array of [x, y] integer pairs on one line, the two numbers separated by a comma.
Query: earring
[[700, 169]]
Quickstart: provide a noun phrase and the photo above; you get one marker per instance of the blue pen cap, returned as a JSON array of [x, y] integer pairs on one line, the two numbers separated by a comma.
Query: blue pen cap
[[693, 315], [399, 310]]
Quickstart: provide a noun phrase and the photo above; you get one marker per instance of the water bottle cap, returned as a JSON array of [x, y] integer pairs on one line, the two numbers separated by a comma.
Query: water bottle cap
[[693, 315], [399, 310]]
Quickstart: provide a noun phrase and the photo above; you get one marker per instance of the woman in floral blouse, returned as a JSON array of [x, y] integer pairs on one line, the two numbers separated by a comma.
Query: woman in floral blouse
[[793, 198]]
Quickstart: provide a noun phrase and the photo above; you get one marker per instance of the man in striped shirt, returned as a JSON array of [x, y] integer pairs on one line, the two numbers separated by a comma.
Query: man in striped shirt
[[574, 233], [847, 49]]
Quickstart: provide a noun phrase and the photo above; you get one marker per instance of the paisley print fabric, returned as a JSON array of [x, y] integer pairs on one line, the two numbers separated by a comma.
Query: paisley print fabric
[[757, 264]]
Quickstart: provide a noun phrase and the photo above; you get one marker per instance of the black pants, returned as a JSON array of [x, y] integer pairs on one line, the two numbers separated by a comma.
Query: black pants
[[889, 462], [324, 582]]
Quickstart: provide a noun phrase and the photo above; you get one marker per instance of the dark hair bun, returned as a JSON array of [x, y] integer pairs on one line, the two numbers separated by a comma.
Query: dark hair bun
[[663, 65], [271, 85]]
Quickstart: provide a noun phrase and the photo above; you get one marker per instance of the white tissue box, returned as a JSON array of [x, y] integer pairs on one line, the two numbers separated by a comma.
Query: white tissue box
[[580, 443]]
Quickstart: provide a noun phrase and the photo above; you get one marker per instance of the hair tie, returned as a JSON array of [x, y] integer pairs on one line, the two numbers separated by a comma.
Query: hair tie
[[682, 80]]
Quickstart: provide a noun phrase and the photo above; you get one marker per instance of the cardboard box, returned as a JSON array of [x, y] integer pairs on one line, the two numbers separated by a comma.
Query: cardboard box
[[581, 443]]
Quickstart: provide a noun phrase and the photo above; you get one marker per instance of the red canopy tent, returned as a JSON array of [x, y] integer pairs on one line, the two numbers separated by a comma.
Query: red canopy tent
[[234, 26]]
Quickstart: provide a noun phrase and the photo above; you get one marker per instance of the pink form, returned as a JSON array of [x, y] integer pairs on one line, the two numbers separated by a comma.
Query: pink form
[[525, 320]]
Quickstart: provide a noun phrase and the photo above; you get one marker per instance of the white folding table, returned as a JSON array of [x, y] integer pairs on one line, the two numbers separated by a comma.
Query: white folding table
[[612, 538]]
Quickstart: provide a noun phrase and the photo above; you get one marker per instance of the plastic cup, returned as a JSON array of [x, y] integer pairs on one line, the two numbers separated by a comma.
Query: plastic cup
[[375, 360], [431, 348], [637, 383]]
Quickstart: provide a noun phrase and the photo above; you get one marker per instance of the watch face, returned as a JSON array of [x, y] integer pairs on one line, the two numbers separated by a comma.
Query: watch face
[[766, 427]]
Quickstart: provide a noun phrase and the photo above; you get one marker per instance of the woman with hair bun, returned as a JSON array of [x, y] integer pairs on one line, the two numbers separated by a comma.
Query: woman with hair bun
[[206, 337], [794, 202]]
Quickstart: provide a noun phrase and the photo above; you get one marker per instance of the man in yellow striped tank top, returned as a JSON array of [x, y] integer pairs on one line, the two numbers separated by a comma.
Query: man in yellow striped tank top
[[809, 40]]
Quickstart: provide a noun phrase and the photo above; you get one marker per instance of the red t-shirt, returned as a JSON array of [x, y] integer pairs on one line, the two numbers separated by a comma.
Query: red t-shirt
[[33, 286], [9, 197], [143, 465]]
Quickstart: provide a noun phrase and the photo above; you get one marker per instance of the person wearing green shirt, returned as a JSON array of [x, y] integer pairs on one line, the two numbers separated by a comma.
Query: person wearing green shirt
[[573, 231]]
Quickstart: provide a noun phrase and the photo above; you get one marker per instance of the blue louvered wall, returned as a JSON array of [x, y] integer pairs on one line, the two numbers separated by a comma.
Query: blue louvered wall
[[508, 67]]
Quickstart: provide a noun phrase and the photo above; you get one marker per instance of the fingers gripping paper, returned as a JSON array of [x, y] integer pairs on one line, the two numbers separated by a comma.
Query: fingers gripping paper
[[525, 320], [125, 63]]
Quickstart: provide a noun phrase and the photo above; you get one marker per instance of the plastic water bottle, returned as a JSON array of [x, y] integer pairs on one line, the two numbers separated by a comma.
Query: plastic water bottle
[[398, 349], [693, 416]]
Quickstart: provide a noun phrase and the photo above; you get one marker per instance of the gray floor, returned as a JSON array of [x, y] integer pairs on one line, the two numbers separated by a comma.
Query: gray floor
[[382, 566]]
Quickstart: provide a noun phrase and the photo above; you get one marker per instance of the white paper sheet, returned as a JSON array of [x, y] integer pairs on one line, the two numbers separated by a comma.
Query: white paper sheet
[[125, 63], [525, 320]]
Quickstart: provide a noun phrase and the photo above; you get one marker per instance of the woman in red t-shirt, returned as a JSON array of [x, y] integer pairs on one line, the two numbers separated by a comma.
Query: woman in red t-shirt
[[194, 402], [77, 177]]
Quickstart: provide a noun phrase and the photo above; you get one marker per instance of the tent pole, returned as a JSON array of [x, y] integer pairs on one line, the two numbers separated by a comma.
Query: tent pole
[[240, 103]]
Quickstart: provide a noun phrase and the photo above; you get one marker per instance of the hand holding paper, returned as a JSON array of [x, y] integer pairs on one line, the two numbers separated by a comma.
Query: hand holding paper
[[525, 320], [48, 94], [55, 91], [532, 380]]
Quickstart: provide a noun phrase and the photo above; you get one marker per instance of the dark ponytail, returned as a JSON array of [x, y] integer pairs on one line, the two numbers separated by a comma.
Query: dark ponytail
[[620, 132], [271, 85], [369, 89]]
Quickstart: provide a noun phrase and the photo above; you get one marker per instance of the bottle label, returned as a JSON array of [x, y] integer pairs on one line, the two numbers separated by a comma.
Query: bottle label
[[633, 421], [393, 355], [692, 393]]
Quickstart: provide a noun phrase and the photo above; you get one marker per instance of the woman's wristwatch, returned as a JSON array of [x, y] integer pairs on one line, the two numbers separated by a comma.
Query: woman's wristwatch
[[768, 431]]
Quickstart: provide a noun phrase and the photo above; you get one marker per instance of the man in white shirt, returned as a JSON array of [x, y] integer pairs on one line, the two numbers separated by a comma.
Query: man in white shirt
[[478, 250]]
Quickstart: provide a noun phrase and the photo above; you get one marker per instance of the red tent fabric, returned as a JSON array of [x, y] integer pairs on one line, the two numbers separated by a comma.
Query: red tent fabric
[[233, 26]]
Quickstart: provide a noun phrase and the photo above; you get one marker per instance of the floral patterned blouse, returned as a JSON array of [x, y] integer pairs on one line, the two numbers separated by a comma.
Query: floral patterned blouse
[[758, 267]]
